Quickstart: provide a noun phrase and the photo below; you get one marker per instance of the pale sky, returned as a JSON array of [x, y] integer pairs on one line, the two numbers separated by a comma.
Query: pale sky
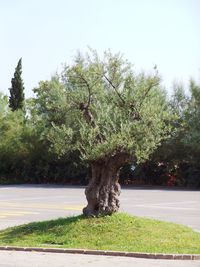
[[47, 33]]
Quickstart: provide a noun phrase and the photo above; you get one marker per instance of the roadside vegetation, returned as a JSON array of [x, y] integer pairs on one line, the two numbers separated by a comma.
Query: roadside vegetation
[[35, 133], [119, 232]]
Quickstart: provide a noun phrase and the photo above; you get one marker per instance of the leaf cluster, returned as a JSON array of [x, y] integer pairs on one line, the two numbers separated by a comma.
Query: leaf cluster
[[100, 106]]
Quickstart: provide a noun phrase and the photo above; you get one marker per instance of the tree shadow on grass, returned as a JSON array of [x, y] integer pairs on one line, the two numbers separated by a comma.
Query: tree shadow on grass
[[20, 232]]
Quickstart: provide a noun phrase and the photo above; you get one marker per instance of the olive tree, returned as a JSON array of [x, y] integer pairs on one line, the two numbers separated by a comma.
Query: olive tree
[[108, 113]]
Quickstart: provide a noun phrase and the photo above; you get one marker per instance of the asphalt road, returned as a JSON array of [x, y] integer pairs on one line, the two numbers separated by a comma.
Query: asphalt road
[[36, 259], [26, 203]]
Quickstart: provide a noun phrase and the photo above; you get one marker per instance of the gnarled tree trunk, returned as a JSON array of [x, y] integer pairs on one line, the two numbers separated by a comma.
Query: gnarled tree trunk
[[103, 190]]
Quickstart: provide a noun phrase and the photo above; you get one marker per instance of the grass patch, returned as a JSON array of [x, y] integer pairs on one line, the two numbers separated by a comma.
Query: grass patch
[[120, 232]]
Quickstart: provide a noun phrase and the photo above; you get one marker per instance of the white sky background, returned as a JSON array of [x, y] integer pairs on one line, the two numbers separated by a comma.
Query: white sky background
[[47, 33]]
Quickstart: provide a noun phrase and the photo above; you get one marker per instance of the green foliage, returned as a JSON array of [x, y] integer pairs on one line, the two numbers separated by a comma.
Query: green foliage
[[180, 153], [187, 132], [192, 114], [12, 147], [16, 99], [96, 108], [102, 107], [24, 150]]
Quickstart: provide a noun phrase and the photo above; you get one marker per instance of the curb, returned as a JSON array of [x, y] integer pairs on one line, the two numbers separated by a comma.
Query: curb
[[106, 253]]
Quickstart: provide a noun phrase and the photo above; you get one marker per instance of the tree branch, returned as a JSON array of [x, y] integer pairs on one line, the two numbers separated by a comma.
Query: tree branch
[[79, 76], [114, 87], [147, 91], [84, 107]]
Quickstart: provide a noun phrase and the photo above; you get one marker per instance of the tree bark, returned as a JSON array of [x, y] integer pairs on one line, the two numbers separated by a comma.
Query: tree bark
[[103, 190]]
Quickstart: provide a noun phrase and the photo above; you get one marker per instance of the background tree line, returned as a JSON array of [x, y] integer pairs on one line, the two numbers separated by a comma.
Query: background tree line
[[32, 134]]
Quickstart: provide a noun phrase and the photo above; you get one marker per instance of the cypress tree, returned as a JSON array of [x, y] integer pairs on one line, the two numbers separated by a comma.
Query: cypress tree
[[16, 99]]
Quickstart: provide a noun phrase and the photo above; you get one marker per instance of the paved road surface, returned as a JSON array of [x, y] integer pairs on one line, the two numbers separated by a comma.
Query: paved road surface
[[22, 204], [35, 259], [179, 206]]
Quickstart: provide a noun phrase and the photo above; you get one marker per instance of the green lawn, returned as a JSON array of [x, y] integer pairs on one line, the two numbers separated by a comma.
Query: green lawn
[[120, 232]]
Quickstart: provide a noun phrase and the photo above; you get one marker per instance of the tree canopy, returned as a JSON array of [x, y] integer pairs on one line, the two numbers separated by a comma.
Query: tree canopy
[[103, 107]]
